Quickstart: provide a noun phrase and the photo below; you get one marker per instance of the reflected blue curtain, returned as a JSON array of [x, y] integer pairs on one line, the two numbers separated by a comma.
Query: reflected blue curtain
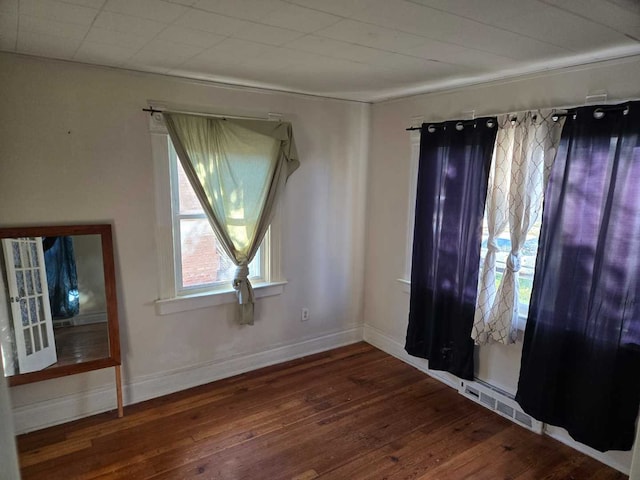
[[62, 276], [581, 355], [452, 187]]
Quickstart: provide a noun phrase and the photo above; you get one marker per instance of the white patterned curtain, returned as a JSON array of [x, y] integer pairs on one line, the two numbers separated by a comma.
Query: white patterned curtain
[[525, 148]]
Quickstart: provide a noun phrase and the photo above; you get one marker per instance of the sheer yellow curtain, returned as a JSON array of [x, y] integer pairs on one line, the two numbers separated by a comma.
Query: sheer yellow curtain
[[238, 169]]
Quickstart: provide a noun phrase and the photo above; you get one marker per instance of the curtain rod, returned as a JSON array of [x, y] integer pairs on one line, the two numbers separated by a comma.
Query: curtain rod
[[597, 113], [152, 110]]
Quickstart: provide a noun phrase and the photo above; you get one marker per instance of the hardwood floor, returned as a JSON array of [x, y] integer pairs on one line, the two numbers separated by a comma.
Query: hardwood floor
[[81, 343], [351, 413]]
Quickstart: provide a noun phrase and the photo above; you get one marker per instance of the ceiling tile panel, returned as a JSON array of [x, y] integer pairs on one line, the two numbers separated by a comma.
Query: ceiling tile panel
[[150, 9], [343, 8], [210, 22], [357, 53], [97, 4], [621, 16], [259, 33], [178, 51], [9, 7], [299, 18], [58, 11], [47, 45], [8, 41], [103, 54], [41, 26], [8, 31], [445, 27], [161, 54], [128, 24], [245, 9], [189, 36], [8, 23], [373, 36], [448, 52], [128, 40], [335, 48], [491, 12], [188, 3], [565, 29], [241, 48], [231, 51]]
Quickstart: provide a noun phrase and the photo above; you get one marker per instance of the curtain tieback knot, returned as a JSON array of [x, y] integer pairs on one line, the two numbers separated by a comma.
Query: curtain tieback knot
[[513, 262], [492, 245], [241, 284]]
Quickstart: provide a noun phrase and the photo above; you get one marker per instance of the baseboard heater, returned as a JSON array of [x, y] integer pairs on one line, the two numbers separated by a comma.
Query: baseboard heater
[[500, 402]]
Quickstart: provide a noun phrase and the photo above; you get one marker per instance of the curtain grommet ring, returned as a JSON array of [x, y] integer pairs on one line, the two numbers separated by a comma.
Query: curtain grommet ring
[[491, 123], [598, 113], [431, 129], [459, 126]]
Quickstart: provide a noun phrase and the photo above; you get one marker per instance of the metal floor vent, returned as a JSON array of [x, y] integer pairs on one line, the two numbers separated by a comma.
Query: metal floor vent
[[500, 402]]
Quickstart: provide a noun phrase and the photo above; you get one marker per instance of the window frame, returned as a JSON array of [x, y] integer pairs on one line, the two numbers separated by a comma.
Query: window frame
[[414, 161], [170, 298], [176, 217]]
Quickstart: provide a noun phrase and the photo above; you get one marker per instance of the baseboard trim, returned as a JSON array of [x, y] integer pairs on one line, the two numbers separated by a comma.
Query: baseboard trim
[[393, 347], [562, 436], [390, 345], [47, 413]]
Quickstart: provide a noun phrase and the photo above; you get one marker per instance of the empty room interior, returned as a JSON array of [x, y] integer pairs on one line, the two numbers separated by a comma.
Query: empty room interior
[[332, 239]]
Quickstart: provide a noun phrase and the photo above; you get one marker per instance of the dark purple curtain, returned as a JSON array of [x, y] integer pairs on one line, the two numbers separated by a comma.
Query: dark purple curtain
[[452, 187], [581, 355]]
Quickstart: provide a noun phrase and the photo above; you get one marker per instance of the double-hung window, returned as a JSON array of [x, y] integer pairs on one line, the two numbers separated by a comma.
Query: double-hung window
[[194, 270], [201, 263]]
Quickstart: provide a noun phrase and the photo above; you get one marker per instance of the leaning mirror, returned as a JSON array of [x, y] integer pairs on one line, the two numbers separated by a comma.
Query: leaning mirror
[[58, 309]]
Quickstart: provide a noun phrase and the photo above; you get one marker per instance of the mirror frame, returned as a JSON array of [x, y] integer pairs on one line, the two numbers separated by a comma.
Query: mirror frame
[[113, 360]]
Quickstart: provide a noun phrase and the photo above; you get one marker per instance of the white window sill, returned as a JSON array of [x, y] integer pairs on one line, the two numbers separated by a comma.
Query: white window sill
[[405, 285], [211, 299]]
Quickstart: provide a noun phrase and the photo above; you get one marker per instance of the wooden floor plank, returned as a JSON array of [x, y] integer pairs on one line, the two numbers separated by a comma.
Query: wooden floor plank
[[351, 413]]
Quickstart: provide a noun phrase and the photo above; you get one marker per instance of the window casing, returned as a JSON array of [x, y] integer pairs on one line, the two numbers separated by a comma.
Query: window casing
[[175, 295]]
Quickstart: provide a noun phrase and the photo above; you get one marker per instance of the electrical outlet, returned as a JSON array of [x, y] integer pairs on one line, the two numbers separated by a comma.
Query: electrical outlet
[[305, 314]]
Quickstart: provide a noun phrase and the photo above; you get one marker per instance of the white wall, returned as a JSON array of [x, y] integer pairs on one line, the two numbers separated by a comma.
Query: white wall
[[386, 305], [75, 147], [8, 454]]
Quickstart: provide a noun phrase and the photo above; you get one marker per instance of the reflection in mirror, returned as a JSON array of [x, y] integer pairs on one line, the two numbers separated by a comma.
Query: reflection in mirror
[[53, 306]]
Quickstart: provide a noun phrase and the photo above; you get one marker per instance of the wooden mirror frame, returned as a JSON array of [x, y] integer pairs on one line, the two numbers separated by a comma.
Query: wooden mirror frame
[[113, 360]]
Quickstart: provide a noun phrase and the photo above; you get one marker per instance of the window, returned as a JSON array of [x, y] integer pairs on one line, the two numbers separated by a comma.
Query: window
[[194, 271], [528, 254], [201, 263]]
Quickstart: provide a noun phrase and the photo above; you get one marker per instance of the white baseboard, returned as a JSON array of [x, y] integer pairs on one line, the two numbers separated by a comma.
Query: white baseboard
[[608, 459], [44, 414], [393, 347]]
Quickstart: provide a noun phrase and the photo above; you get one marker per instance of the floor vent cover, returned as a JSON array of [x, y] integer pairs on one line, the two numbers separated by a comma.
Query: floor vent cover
[[500, 402]]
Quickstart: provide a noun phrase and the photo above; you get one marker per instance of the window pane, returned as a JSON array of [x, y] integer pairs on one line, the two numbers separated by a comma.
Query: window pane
[[528, 254], [187, 200], [203, 259]]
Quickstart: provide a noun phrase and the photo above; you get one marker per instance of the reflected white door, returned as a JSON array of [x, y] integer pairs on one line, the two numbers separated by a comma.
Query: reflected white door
[[30, 308]]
